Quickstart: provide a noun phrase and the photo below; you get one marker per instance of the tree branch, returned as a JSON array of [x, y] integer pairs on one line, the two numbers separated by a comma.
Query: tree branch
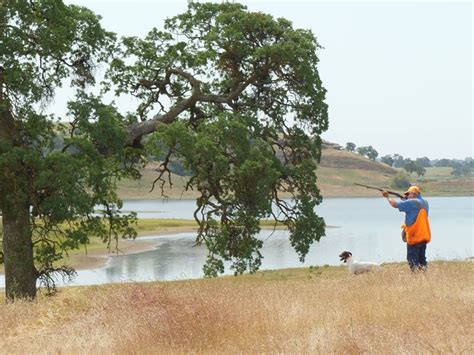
[[137, 130]]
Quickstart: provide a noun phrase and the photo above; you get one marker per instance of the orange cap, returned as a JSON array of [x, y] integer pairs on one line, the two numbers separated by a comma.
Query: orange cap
[[414, 189]]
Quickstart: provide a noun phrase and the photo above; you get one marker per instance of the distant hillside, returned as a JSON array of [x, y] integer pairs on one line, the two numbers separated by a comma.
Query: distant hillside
[[335, 158], [337, 173], [340, 169]]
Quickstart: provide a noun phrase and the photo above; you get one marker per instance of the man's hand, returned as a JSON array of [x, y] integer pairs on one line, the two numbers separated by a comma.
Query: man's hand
[[391, 201]]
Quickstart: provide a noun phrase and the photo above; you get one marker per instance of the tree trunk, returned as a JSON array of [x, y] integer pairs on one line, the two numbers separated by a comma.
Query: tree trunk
[[20, 273]]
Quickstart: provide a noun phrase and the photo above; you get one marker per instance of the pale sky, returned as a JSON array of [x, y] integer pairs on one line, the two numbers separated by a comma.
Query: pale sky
[[398, 74]]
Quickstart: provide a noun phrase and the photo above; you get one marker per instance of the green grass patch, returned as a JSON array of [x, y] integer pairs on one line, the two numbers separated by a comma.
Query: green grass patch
[[155, 224]]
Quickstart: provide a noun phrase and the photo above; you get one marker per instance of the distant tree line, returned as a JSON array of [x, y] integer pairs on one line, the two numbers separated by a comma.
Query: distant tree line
[[417, 166]]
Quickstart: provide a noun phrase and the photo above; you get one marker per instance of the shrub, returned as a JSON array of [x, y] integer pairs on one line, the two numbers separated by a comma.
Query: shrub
[[401, 180]]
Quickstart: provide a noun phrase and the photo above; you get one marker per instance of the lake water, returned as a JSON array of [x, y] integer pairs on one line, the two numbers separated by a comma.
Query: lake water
[[368, 227]]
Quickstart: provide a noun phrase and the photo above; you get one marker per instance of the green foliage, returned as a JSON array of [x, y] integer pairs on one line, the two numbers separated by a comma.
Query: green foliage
[[424, 162], [387, 159], [44, 42], [401, 181], [350, 147], [462, 169], [413, 167], [469, 162], [445, 163], [233, 95], [241, 106], [368, 152], [398, 161], [59, 172]]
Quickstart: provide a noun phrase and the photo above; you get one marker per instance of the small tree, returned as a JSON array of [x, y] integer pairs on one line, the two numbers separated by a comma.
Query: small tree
[[420, 170], [424, 162], [398, 161], [372, 154], [469, 162], [387, 159], [412, 167], [401, 181], [445, 163], [350, 147], [461, 169], [362, 151], [368, 152]]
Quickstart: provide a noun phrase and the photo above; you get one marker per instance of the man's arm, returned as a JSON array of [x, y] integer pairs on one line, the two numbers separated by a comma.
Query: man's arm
[[391, 201]]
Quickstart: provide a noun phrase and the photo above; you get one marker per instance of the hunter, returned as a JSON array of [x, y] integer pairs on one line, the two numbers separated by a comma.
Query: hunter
[[416, 231]]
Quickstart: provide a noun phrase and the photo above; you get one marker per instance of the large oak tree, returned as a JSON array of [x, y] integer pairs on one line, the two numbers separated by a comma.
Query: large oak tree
[[233, 95]]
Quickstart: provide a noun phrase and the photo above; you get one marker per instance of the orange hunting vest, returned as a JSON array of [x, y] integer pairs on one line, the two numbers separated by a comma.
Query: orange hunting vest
[[419, 231]]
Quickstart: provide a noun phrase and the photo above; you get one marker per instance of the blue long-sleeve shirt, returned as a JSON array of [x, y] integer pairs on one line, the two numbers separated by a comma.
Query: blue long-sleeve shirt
[[411, 208]]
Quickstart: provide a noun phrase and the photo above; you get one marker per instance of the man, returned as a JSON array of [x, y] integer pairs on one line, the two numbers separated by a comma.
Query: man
[[416, 227]]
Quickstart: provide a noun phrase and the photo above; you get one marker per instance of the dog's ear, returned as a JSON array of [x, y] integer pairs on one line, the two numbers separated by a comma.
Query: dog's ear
[[343, 256]]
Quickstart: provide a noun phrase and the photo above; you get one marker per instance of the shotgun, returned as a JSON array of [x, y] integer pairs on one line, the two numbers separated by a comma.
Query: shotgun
[[382, 190]]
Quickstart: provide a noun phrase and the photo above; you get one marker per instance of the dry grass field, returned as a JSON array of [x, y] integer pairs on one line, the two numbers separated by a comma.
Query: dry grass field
[[315, 310]]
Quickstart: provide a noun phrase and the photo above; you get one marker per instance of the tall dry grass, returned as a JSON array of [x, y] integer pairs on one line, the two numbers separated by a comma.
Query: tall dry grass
[[322, 310]]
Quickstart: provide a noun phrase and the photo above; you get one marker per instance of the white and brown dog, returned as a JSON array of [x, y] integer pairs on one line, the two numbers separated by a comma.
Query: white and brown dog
[[356, 267]]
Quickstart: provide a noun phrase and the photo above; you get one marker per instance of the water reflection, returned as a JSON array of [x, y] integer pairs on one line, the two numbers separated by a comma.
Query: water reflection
[[367, 227]]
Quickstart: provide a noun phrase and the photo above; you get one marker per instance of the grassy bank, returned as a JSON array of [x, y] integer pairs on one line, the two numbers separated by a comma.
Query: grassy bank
[[293, 311]]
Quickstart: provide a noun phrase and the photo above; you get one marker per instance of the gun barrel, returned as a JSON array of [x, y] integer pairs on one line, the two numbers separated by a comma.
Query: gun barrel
[[370, 187], [380, 189]]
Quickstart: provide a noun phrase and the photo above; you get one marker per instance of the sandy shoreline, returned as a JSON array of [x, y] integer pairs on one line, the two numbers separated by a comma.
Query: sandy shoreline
[[97, 258]]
